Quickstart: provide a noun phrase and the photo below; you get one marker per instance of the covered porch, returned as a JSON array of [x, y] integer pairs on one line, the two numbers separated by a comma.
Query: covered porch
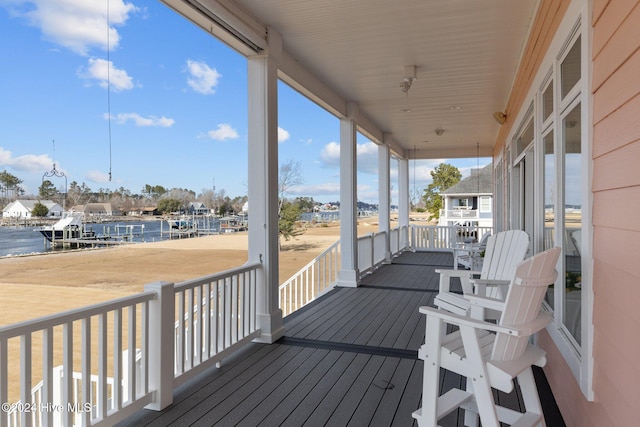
[[348, 358]]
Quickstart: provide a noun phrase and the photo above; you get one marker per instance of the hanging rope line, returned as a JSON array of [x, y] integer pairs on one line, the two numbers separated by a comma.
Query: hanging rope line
[[109, 86]]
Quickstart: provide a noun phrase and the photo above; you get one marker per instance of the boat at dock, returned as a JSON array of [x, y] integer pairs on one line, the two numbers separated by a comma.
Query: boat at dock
[[70, 226]]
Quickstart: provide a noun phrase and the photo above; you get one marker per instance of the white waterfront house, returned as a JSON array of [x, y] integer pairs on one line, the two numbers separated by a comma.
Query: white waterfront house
[[23, 208], [469, 201]]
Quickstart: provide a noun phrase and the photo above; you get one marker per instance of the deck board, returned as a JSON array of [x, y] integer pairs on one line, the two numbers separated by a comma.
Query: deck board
[[349, 358]]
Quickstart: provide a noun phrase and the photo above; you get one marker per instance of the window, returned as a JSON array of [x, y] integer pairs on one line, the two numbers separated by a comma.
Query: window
[[547, 102], [572, 151], [570, 69], [485, 204], [546, 187]]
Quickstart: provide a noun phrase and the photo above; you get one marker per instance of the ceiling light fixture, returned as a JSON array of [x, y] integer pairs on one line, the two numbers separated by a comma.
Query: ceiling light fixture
[[500, 117], [409, 77]]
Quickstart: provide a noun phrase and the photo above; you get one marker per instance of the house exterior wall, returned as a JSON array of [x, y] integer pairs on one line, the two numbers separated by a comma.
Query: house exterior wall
[[615, 190]]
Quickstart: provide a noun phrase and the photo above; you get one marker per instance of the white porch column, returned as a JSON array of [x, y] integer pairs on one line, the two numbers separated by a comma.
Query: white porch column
[[263, 189], [384, 194], [403, 199], [348, 274]]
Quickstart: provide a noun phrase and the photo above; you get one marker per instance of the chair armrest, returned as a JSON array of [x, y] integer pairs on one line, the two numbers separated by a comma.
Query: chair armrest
[[456, 273], [539, 323], [463, 275], [485, 302], [491, 282], [480, 286], [459, 320]]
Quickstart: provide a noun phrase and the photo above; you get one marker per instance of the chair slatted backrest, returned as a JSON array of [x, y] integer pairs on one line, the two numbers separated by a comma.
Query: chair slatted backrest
[[524, 300], [503, 252]]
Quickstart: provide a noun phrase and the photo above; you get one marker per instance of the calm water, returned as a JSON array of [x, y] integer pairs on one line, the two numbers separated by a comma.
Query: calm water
[[27, 240]]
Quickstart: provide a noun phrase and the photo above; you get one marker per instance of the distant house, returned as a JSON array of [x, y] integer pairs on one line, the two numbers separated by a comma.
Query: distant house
[[151, 210], [97, 209], [470, 200], [197, 208], [23, 208]]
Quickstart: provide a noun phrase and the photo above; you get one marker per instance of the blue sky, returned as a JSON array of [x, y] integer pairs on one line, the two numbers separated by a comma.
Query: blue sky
[[177, 98]]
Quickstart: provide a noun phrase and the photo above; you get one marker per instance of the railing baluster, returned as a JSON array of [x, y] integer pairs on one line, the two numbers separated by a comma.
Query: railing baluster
[[206, 318], [117, 397], [86, 366], [67, 371], [103, 360], [144, 327], [4, 379], [46, 394], [190, 322], [180, 341], [25, 377], [131, 381]]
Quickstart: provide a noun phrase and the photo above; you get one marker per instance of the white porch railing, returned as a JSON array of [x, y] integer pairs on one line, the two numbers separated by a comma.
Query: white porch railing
[[216, 315], [444, 238], [201, 320], [209, 317], [314, 279], [100, 333], [459, 213]]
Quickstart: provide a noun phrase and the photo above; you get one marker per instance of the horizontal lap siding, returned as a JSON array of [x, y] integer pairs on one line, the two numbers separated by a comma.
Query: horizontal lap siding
[[616, 203]]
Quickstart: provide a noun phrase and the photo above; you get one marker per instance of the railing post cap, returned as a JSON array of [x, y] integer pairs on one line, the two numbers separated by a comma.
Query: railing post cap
[[156, 286]]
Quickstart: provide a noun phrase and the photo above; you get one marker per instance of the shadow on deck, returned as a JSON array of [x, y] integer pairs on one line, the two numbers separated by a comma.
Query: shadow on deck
[[349, 358]]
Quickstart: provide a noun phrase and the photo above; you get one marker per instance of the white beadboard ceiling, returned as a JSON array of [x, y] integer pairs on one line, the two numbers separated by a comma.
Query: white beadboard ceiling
[[466, 53]]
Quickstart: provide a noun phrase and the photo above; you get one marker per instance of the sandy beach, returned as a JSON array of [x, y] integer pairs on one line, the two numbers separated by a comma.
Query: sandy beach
[[33, 286]]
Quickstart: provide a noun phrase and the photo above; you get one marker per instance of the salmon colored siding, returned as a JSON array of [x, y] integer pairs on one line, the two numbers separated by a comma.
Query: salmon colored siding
[[608, 135], [616, 203], [615, 186], [620, 39]]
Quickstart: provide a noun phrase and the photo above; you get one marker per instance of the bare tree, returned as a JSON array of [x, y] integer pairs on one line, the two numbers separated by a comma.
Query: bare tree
[[290, 176]]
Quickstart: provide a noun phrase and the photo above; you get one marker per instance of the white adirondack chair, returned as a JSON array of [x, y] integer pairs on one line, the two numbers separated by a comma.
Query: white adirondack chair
[[489, 355], [503, 252], [468, 254]]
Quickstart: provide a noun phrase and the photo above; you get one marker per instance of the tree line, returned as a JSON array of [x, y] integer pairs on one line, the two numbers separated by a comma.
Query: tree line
[[122, 199]]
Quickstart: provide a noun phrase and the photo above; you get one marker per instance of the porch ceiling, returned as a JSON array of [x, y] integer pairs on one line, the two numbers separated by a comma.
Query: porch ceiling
[[466, 55]]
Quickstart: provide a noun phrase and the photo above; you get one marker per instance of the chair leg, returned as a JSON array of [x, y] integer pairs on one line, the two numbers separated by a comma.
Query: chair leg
[[470, 417], [430, 353], [530, 394], [480, 380]]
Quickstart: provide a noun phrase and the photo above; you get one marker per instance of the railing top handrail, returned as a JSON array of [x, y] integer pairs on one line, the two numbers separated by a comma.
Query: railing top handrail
[[44, 322], [187, 284]]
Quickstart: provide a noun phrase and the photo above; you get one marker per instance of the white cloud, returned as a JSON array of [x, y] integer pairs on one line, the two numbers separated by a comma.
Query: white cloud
[[107, 75], [367, 156], [26, 163], [322, 189], [140, 121], [203, 79], [97, 176], [77, 25], [223, 132], [283, 134]]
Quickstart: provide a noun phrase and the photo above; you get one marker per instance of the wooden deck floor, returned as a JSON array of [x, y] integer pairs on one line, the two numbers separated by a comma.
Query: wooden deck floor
[[348, 359]]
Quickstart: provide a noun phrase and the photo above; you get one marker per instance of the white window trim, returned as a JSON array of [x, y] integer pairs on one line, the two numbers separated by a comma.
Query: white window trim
[[576, 19]]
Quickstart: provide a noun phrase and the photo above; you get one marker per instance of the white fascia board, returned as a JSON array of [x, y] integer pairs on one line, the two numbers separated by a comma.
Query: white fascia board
[[225, 21]]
